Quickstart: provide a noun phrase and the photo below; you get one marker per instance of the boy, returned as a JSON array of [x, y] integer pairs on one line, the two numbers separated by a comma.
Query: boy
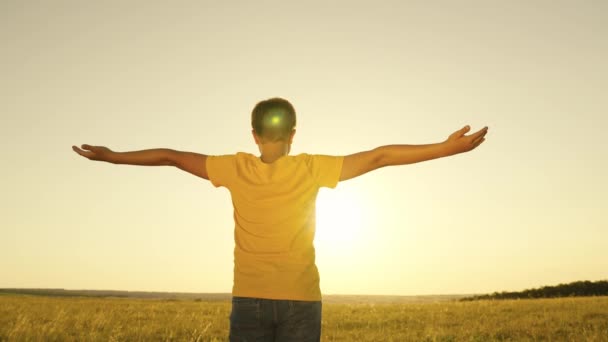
[[276, 295]]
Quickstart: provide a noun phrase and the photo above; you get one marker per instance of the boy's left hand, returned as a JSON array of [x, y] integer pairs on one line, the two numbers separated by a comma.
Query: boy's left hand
[[458, 142]]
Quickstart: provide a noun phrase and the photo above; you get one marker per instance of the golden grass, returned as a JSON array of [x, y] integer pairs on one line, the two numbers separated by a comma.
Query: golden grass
[[38, 318]]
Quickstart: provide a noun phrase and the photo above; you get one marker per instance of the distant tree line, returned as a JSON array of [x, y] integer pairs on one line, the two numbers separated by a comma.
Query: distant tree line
[[575, 289]]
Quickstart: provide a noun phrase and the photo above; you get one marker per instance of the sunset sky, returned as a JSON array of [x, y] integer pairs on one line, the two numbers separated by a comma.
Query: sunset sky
[[527, 208]]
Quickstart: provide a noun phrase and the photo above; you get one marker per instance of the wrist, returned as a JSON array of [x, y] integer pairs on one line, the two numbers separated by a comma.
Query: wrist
[[112, 157], [446, 149]]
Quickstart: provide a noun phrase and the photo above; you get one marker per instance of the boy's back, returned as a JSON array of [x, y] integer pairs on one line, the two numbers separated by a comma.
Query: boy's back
[[274, 215]]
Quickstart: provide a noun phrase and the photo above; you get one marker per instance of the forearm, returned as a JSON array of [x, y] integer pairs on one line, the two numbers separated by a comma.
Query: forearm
[[151, 157], [409, 154]]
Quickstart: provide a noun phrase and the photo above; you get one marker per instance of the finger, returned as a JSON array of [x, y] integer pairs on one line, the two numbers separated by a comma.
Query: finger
[[459, 133], [479, 137], [464, 130], [479, 142], [86, 147], [479, 134], [85, 154]]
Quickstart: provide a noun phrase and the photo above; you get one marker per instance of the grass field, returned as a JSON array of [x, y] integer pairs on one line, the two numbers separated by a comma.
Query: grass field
[[40, 318]]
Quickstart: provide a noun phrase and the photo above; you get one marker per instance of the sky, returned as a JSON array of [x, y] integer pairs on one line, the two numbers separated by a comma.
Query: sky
[[525, 209]]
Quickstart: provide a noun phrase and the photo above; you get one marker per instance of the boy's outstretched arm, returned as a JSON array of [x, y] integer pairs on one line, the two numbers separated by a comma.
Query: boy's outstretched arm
[[360, 163], [193, 163]]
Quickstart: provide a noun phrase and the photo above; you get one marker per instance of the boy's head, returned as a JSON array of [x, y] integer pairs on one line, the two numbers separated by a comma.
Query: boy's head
[[273, 120]]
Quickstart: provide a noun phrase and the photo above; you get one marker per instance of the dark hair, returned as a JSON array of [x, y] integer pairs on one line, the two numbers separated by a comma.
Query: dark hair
[[273, 119]]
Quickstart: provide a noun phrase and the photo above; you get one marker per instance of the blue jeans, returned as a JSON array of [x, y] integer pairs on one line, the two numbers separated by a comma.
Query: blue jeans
[[258, 319]]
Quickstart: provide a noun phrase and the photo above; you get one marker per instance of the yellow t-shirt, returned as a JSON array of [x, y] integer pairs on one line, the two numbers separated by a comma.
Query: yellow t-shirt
[[274, 216]]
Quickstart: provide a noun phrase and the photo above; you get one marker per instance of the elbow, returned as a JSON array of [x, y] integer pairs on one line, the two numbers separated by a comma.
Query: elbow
[[380, 157], [170, 157]]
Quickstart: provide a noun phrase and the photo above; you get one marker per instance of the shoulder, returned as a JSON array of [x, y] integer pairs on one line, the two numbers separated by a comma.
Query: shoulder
[[233, 156], [244, 156], [312, 158], [319, 158], [320, 162], [325, 169], [301, 157]]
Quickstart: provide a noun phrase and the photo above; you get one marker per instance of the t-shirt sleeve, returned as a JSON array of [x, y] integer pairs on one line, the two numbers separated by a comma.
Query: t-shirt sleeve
[[325, 170], [221, 170]]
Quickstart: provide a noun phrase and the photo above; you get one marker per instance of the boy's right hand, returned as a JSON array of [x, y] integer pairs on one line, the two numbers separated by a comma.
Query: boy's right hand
[[101, 153]]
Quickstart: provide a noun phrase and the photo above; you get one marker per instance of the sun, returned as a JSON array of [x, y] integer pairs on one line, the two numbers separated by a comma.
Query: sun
[[340, 220]]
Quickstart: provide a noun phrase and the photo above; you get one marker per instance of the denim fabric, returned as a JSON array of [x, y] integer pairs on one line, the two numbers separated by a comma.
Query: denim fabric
[[258, 319]]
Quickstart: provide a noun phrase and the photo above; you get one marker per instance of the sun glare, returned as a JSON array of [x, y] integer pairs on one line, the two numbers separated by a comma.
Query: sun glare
[[340, 219]]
